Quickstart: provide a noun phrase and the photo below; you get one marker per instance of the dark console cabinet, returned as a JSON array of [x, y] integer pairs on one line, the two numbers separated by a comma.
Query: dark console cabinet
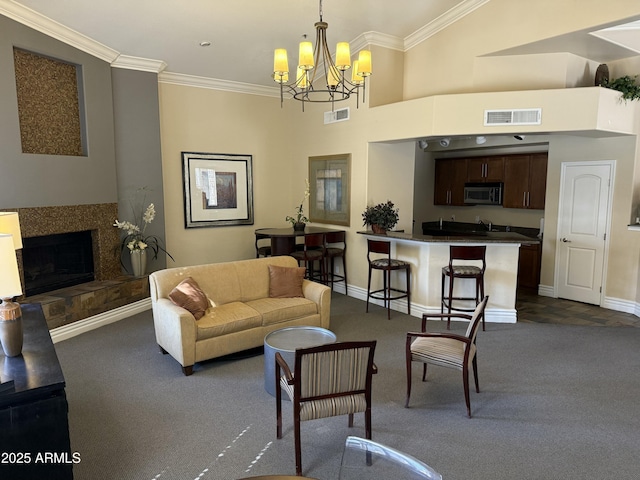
[[34, 427]]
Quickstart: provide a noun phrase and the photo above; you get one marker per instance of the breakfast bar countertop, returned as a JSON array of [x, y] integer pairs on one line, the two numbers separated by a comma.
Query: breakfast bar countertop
[[476, 237]]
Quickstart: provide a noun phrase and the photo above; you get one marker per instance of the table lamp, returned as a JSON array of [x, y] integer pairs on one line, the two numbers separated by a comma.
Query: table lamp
[[9, 223], [10, 287]]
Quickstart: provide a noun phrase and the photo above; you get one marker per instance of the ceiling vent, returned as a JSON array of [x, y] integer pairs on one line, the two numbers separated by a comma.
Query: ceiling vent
[[336, 116], [530, 116]]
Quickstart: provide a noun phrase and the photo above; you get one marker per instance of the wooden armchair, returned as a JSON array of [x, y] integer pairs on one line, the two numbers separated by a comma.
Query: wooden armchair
[[328, 380], [446, 349]]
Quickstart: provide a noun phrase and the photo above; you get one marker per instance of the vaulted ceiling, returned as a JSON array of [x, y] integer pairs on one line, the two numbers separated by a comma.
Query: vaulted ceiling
[[242, 34]]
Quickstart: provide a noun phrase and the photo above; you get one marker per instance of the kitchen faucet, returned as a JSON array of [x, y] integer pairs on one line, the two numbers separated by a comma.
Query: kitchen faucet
[[488, 227]]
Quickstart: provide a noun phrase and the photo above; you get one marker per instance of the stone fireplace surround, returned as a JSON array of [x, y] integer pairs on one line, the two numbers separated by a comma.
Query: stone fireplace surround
[[111, 288]]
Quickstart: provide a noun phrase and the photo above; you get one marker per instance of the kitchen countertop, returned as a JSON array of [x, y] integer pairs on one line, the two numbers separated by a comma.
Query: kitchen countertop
[[474, 237]]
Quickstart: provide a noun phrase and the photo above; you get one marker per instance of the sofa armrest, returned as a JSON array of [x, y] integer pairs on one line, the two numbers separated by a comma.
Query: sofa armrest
[[321, 295], [175, 330]]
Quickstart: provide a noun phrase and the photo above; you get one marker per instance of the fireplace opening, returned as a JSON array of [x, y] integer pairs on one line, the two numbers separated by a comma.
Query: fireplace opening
[[57, 261]]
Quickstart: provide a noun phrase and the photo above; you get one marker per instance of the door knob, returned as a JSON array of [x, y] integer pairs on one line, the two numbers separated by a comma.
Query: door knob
[[565, 240]]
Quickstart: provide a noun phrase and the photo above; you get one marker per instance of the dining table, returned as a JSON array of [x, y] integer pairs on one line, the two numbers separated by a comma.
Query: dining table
[[283, 240]]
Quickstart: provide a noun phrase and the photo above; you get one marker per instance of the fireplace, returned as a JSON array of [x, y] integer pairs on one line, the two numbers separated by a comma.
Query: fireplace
[[51, 262], [94, 222], [108, 289]]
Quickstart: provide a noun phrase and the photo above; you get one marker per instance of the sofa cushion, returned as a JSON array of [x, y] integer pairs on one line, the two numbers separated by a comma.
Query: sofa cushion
[[277, 310], [285, 282], [188, 295], [228, 318]]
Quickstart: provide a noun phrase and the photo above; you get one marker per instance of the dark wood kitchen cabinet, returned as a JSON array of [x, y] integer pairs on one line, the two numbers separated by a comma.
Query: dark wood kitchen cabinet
[[485, 169], [450, 177], [525, 181], [529, 266]]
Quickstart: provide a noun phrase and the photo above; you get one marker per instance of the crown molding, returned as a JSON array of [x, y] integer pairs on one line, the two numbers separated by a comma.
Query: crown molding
[[379, 39], [216, 84], [443, 21], [137, 63], [45, 25]]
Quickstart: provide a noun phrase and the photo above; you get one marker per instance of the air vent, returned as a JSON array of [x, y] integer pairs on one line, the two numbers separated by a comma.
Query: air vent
[[336, 116], [531, 116]]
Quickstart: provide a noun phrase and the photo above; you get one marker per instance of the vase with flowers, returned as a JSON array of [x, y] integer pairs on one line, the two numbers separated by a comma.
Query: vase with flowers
[[299, 221], [135, 240]]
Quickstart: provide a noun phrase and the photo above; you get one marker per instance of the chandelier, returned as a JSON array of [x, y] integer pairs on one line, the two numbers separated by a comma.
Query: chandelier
[[318, 77]]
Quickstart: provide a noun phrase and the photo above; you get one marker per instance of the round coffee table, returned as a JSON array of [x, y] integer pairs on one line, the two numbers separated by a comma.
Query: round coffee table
[[286, 341]]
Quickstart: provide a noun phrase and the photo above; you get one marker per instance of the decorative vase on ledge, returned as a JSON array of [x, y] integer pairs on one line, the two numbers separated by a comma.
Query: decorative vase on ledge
[[378, 229], [299, 226], [139, 262]]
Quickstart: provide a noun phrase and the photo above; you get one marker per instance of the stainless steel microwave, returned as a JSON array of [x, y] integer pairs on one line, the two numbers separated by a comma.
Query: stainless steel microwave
[[483, 193]]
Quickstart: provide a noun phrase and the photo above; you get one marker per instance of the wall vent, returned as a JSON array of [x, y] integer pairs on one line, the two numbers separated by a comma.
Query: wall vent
[[336, 116], [530, 116]]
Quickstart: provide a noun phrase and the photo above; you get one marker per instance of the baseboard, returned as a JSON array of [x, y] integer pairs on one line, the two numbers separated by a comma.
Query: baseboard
[[617, 304], [76, 328], [492, 315], [546, 291], [620, 305]]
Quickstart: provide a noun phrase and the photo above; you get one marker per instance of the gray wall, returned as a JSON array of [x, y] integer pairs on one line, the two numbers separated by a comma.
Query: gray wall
[[29, 180], [123, 130], [138, 153]]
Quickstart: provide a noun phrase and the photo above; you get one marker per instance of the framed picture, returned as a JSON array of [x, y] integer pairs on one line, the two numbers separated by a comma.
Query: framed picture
[[329, 182], [218, 189]]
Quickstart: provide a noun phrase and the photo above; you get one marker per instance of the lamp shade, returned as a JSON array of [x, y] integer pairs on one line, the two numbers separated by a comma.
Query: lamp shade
[[364, 63], [343, 56], [280, 62], [302, 79], [333, 77], [356, 78], [10, 224], [305, 59], [10, 285]]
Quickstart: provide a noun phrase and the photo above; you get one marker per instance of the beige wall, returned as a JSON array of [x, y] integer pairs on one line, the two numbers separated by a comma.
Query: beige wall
[[445, 62], [204, 120]]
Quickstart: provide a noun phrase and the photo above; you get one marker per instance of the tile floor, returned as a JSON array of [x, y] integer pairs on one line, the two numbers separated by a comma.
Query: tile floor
[[534, 308]]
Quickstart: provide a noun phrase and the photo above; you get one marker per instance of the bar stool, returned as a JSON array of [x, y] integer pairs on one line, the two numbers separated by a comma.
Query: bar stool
[[451, 271], [264, 250], [335, 250], [313, 251], [387, 265]]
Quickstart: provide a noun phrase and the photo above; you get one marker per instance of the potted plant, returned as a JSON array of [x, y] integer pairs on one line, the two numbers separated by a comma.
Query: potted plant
[[135, 240], [626, 85], [381, 217]]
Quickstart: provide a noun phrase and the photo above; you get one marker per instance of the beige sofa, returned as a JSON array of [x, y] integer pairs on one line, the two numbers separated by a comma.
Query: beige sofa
[[243, 313]]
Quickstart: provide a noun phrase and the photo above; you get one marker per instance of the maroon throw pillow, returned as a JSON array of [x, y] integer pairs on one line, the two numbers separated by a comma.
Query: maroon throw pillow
[[188, 295], [285, 282]]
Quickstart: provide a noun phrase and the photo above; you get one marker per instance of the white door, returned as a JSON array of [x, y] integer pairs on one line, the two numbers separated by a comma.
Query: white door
[[582, 225]]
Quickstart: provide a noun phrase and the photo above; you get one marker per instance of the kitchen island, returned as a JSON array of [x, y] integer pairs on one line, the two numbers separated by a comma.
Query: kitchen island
[[429, 253]]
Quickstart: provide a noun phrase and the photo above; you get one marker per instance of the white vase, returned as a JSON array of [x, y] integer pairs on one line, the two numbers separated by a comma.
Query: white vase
[[139, 262]]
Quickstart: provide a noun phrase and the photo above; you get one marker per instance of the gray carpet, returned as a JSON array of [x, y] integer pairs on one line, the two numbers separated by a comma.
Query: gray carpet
[[556, 402]]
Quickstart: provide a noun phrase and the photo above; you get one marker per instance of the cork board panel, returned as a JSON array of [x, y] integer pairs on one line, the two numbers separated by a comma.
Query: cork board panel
[[48, 105]]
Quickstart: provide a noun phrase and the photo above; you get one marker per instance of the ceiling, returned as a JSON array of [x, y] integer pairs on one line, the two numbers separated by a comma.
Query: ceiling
[[165, 36]]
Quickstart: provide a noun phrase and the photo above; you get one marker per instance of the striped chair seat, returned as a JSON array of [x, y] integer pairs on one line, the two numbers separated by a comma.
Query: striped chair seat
[[445, 352]]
